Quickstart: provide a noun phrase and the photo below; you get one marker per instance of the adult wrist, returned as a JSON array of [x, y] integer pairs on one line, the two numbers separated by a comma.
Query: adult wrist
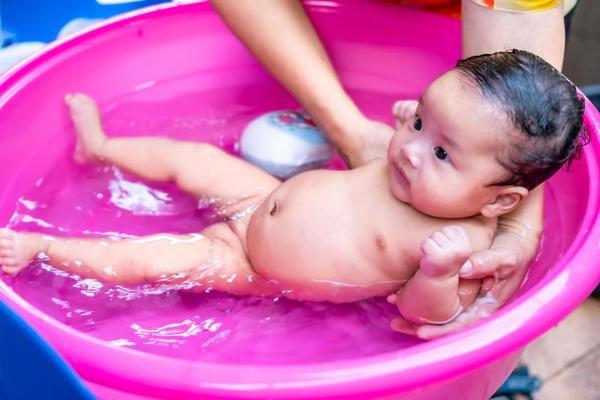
[[521, 229], [342, 128]]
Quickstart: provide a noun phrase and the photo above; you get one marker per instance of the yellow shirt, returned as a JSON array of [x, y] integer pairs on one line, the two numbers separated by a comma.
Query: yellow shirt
[[524, 5]]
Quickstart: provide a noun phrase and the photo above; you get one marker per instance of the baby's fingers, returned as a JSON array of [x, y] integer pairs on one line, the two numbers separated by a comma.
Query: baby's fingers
[[441, 239], [392, 298], [430, 247], [456, 233], [403, 110]]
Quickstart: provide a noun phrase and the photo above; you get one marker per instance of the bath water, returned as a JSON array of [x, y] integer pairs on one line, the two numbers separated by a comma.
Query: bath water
[[102, 201]]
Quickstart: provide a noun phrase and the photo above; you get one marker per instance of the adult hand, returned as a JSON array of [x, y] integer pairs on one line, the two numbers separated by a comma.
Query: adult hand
[[502, 267], [365, 141]]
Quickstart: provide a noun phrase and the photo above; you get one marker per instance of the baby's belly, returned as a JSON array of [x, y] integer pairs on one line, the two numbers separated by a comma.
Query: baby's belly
[[309, 241]]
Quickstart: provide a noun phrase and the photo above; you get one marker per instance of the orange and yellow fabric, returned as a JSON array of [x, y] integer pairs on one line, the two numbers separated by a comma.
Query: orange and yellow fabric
[[452, 7], [519, 5]]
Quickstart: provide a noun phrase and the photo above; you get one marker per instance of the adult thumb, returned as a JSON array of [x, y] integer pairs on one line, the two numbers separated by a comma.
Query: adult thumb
[[488, 262]]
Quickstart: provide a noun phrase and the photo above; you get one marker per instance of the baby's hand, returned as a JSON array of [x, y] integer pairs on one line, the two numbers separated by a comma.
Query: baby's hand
[[404, 110], [445, 251]]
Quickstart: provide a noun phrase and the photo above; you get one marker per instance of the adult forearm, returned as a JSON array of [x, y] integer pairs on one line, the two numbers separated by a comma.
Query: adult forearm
[[527, 220], [486, 30], [282, 38], [543, 33]]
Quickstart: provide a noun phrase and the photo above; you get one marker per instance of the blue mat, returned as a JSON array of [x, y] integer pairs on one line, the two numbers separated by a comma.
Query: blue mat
[[30, 368]]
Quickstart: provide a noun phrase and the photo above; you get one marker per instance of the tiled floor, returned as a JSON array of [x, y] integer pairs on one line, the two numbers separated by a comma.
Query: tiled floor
[[567, 358]]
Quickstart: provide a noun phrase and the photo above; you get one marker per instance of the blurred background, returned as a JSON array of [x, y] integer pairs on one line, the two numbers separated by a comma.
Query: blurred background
[[41, 21], [582, 58]]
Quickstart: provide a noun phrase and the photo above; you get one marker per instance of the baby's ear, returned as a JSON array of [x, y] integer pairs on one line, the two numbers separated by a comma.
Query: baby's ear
[[507, 199]]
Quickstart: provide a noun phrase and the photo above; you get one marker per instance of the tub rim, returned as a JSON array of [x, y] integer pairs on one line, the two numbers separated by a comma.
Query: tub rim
[[510, 329]]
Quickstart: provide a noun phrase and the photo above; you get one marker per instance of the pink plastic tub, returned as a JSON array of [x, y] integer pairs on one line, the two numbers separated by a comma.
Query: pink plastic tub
[[150, 71]]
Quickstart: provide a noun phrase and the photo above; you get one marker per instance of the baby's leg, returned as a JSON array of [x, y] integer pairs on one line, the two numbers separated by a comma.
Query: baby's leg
[[197, 168], [213, 259], [432, 295]]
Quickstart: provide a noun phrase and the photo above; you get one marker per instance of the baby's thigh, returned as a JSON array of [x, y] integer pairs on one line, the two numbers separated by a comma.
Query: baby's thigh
[[230, 270]]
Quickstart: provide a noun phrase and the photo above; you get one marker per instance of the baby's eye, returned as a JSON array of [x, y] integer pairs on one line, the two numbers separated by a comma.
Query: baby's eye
[[418, 124], [440, 153]]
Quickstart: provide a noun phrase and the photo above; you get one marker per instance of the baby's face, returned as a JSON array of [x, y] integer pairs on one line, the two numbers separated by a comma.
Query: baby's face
[[443, 159]]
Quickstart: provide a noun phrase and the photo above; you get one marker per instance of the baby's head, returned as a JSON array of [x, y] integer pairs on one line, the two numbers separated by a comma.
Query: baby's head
[[485, 134]]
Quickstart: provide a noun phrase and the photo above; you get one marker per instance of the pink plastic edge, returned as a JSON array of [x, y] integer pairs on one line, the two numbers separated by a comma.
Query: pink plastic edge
[[551, 299]]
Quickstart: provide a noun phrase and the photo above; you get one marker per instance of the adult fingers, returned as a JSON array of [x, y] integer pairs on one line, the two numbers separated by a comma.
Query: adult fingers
[[401, 325], [489, 262], [481, 308]]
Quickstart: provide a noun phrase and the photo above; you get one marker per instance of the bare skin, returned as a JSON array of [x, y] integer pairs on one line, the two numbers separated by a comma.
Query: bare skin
[[268, 245], [264, 25]]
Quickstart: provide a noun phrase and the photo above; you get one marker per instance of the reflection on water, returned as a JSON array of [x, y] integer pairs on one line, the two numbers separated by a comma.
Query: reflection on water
[[137, 197]]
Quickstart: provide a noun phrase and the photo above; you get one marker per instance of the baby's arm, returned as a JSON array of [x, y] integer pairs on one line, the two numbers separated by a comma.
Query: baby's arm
[[431, 296], [197, 168]]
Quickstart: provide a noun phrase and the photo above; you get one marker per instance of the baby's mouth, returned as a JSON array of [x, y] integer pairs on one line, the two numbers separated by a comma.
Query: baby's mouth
[[400, 175]]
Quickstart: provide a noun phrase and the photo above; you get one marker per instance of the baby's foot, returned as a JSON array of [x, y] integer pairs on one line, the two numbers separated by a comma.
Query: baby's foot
[[403, 110], [18, 249], [445, 251], [86, 118]]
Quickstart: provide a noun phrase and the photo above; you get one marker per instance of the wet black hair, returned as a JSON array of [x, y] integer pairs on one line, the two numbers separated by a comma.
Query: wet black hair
[[540, 102]]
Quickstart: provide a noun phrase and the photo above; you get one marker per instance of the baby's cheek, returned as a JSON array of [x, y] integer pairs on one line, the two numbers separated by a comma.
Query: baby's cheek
[[440, 195]]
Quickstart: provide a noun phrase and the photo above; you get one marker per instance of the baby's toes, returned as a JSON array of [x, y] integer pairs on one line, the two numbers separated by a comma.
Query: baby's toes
[[6, 233], [11, 271], [6, 253], [10, 268], [80, 101], [8, 261], [7, 242], [8, 257]]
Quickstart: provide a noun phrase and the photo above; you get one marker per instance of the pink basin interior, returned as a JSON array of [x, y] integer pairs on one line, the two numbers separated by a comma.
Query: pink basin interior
[[176, 71]]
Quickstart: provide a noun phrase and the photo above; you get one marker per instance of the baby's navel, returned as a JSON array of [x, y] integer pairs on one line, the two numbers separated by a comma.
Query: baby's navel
[[274, 208], [380, 242]]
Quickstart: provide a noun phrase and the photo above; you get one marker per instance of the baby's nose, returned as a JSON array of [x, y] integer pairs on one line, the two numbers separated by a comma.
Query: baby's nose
[[409, 152]]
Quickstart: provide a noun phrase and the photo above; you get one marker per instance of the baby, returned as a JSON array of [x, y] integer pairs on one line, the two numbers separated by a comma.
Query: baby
[[482, 136]]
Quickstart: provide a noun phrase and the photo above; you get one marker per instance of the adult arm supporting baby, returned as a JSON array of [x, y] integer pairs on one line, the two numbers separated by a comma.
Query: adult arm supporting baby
[[516, 240], [281, 36], [486, 30], [518, 234], [285, 31]]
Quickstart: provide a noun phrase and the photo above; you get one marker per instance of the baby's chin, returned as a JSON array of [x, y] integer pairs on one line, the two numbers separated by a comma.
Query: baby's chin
[[444, 212], [400, 195], [441, 210], [424, 205]]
